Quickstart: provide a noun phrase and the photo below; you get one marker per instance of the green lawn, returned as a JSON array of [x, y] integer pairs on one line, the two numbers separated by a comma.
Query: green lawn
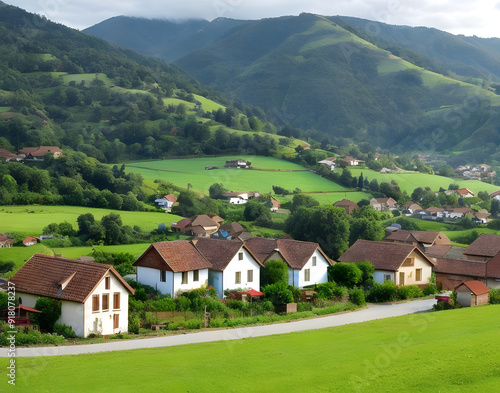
[[30, 220], [184, 171], [208, 105], [448, 351], [4, 109], [74, 252], [410, 181]]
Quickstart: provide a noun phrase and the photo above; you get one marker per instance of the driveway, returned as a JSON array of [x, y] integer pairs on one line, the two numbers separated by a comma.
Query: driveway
[[373, 311]]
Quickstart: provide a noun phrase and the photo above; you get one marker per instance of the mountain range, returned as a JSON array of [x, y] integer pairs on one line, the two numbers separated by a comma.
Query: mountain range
[[398, 87]]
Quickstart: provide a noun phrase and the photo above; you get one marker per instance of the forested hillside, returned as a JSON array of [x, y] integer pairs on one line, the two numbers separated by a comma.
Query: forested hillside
[[407, 89]]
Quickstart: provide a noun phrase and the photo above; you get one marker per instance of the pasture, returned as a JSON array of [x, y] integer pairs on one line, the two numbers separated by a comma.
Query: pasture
[[30, 220], [182, 172], [447, 351], [409, 181]]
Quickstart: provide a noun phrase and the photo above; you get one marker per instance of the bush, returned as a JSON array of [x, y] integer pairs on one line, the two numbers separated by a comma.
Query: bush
[[325, 291], [439, 306], [51, 311], [430, 290], [296, 293], [409, 292], [150, 319], [64, 330], [385, 292], [495, 296], [278, 294], [304, 306], [345, 274], [134, 324], [163, 304], [357, 296], [275, 271]]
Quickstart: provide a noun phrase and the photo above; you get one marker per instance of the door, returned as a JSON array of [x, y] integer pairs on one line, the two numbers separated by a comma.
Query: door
[[116, 321], [401, 278]]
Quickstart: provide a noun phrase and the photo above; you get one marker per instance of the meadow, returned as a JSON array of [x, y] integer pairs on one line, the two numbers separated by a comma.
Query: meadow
[[285, 174], [410, 181], [30, 220], [447, 351]]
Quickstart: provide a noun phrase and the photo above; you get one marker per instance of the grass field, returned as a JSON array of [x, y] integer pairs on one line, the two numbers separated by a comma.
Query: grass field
[[448, 351], [30, 220], [410, 181], [184, 171], [4, 109]]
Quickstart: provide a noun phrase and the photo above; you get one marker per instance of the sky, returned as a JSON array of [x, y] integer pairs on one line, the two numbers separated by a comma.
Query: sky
[[468, 17]]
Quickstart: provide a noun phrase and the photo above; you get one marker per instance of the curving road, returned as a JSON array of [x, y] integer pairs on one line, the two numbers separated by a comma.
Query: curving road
[[373, 311]]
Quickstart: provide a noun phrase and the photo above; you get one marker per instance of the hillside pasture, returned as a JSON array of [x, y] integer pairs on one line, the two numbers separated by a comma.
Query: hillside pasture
[[278, 172], [402, 354], [409, 181], [30, 220]]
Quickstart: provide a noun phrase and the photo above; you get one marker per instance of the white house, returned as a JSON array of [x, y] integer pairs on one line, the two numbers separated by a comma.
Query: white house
[[173, 266], [94, 297], [329, 162], [405, 264], [307, 263], [233, 264]]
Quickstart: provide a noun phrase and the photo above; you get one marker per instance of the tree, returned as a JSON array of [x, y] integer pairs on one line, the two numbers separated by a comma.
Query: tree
[[112, 225], [278, 293], [304, 201], [345, 274], [51, 311], [5, 267], [255, 209], [346, 178], [363, 228], [216, 190], [274, 272], [447, 171], [85, 222]]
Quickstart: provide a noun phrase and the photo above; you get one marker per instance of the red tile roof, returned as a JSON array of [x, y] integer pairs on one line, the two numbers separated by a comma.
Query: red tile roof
[[486, 245], [382, 255], [4, 153], [175, 256], [171, 198], [182, 223], [42, 274], [476, 287]]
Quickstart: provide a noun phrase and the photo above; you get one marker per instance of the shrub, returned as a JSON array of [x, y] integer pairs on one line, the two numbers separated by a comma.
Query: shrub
[[134, 323], [51, 311], [345, 274], [182, 303], [325, 291], [304, 306], [367, 271], [409, 292], [385, 292], [439, 306], [164, 304], [296, 293], [430, 290], [238, 305], [278, 294], [357, 296], [275, 271], [150, 319], [64, 330], [495, 296]]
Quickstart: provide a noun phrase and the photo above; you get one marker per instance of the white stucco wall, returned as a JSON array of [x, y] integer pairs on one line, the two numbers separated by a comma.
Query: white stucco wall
[[379, 275], [318, 273], [104, 317], [247, 263], [409, 271], [173, 283]]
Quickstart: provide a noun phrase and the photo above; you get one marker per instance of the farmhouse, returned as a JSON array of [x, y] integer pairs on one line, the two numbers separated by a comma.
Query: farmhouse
[[94, 297], [351, 161], [347, 205], [172, 266], [329, 162], [485, 247], [201, 225], [5, 241], [240, 198], [30, 241], [465, 193], [412, 207], [307, 263], [166, 202], [421, 239], [238, 164], [405, 264], [8, 156], [383, 204], [37, 153], [233, 264], [472, 293], [276, 204]]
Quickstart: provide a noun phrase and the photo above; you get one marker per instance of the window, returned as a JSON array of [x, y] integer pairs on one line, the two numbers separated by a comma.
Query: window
[[237, 278], [410, 261], [418, 274], [116, 301], [107, 282], [196, 275], [240, 256], [387, 277], [105, 302], [95, 303], [184, 278], [250, 276], [163, 276], [314, 261], [116, 321], [307, 274]]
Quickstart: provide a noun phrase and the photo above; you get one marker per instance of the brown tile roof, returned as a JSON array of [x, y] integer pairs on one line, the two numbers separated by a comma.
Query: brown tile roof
[[486, 245], [412, 206], [30, 239], [295, 253], [493, 267], [464, 191], [42, 274], [5, 238], [346, 202], [40, 151], [494, 194], [438, 250], [419, 236], [4, 153], [204, 221], [215, 218], [171, 198], [175, 256], [220, 252], [476, 287], [182, 223], [382, 255], [434, 209], [460, 267]]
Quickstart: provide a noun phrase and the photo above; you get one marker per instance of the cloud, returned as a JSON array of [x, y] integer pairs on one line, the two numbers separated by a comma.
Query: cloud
[[478, 17]]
